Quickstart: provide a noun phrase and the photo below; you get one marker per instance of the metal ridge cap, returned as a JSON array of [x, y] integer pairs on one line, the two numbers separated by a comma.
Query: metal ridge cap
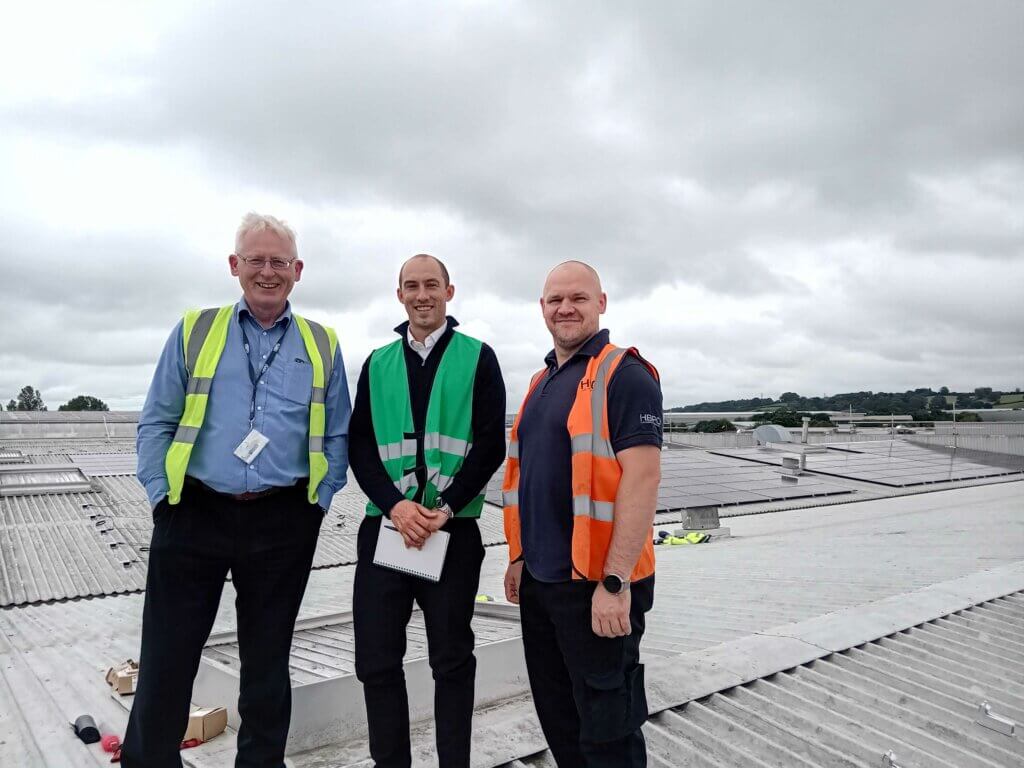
[[677, 680]]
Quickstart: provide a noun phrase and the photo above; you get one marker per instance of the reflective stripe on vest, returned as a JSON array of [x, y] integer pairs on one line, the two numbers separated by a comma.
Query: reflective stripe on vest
[[204, 336], [448, 426], [595, 473]]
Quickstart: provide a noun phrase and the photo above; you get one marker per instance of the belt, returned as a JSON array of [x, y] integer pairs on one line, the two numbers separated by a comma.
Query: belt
[[247, 496]]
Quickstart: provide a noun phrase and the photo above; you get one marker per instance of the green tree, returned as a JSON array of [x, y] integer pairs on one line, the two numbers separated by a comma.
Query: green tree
[[784, 417], [819, 420], [943, 390], [968, 417], [84, 403], [29, 399], [789, 397], [714, 425]]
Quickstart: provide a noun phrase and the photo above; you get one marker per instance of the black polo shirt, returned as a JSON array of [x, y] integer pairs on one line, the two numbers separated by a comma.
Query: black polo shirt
[[545, 452]]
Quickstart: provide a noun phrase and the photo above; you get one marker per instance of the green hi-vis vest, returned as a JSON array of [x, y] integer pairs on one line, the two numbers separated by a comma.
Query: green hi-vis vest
[[448, 430], [204, 336]]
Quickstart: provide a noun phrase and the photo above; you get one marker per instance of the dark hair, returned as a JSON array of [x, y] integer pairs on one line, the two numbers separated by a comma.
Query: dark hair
[[444, 269]]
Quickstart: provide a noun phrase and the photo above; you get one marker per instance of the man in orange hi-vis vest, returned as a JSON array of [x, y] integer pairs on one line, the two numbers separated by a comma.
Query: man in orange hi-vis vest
[[580, 489]]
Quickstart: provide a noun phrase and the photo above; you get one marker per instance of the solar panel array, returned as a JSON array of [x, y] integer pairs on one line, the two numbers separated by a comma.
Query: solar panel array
[[690, 479], [893, 463]]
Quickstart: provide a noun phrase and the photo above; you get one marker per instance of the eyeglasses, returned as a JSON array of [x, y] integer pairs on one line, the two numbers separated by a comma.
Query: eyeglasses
[[259, 262]]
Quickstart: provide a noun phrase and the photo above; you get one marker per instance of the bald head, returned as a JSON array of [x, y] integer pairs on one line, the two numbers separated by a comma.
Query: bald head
[[575, 271], [572, 303]]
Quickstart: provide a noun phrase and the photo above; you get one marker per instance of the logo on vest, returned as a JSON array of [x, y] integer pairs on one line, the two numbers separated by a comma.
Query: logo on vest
[[586, 384], [650, 418]]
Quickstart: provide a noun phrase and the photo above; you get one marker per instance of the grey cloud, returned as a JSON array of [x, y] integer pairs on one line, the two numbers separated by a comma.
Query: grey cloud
[[557, 131]]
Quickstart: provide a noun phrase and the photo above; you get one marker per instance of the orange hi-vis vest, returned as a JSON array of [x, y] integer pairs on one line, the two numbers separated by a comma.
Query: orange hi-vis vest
[[595, 472]]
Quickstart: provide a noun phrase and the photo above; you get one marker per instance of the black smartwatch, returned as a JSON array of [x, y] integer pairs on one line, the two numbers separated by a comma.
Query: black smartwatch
[[614, 584]]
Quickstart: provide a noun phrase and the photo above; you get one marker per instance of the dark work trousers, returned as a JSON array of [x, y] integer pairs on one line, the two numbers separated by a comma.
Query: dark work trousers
[[267, 545], [588, 690], [382, 604]]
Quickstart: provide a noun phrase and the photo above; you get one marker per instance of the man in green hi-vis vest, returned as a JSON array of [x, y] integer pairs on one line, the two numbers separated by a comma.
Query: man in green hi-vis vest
[[242, 444], [427, 433]]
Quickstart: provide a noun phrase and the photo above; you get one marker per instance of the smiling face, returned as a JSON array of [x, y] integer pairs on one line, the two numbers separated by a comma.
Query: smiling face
[[266, 289], [425, 292], [573, 303]]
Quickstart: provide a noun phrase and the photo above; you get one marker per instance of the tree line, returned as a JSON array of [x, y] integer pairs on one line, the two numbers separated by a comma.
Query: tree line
[[923, 404], [31, 399]]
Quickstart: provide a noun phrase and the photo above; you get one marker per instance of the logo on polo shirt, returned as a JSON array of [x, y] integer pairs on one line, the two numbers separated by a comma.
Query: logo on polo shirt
[[650, 418]]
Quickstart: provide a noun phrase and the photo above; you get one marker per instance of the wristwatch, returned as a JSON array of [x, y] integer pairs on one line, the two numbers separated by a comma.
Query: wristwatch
[[614, 584], [442, 506]]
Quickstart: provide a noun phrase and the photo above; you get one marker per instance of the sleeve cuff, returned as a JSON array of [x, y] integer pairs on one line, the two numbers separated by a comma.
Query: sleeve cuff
[[325, 495], [156, 489]]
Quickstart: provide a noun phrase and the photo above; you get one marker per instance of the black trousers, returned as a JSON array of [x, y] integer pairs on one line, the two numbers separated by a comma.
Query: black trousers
[[382, 604], [588, 690], [267, 545]]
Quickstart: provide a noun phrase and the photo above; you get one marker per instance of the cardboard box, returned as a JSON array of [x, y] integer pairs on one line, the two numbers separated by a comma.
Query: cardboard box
[[204, 724], [124, 678]]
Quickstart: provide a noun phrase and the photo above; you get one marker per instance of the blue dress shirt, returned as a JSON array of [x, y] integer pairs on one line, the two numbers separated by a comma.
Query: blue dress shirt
[[282, 413]]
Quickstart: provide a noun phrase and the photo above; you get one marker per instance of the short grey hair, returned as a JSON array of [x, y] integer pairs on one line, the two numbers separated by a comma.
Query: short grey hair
[[260, 222]]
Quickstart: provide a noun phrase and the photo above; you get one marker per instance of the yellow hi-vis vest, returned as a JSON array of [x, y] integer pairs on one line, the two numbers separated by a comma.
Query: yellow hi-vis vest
[[204, 336]]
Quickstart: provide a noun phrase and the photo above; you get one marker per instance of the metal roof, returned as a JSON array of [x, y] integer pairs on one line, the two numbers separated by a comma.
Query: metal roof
[[787, 567], [95, 464], [913, 696], [69, 417], [65, 545]]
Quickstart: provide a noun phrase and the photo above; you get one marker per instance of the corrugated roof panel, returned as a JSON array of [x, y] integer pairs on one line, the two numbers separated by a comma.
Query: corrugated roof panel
[[94, 464], [914, 693], [52, 549], [41, 446]]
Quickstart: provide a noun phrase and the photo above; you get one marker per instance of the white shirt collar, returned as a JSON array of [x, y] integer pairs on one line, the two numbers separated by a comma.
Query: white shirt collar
[[423, 350]]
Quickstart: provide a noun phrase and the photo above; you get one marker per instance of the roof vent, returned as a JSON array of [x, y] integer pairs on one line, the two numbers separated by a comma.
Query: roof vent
[[8, 456], [32, 479]]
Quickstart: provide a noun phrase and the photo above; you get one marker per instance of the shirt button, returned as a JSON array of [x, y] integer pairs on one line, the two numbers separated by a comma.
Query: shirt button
[[259, 407], [252, 466], [264, 333], [264, 357]]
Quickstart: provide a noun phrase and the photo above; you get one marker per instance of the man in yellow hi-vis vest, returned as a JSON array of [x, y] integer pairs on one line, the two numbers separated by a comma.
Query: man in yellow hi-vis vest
[[242, 443]]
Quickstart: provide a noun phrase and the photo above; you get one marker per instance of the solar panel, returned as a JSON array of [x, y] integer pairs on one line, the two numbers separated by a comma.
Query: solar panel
[[894, 463], [691, 479]]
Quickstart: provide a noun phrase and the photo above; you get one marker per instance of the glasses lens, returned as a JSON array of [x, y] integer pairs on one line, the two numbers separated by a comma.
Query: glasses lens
[[259, 262]]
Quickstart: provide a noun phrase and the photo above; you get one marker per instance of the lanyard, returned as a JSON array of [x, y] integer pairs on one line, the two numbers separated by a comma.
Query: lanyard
[[253, 376]]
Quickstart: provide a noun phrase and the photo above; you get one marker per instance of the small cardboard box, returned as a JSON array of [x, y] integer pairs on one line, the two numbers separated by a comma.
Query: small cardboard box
[[124, 677], [204, 724]]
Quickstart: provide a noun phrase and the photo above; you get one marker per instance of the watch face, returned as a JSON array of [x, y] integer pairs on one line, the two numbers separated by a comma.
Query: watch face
[[612, 583]]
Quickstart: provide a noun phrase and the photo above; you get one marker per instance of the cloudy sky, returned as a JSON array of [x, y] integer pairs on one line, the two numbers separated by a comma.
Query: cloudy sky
[[817, 197]]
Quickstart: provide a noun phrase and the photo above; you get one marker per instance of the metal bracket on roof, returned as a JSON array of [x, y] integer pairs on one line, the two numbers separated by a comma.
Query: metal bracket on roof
[[889, 760], [997, 723]]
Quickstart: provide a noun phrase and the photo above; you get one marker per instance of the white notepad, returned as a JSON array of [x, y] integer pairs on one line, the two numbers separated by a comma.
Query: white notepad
[[426, 563]]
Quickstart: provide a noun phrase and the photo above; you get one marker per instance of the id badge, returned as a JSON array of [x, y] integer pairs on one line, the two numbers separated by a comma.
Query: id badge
[[251, 446]]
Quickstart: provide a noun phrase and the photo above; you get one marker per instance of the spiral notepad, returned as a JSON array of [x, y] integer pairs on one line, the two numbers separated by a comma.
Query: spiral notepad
[[425, 563]]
